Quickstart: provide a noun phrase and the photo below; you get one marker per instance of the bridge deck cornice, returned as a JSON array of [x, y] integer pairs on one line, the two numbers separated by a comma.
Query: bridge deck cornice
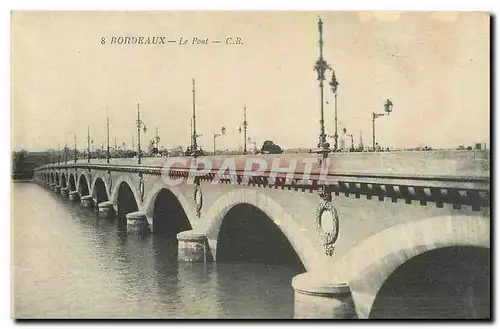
[[313, 175], [453, 189]]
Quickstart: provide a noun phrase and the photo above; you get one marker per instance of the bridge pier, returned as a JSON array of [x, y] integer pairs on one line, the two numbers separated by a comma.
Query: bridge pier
[[106, 209], [64, 191], [73, 195], [193, 247], [57, 188], [87, 201], [137, 221], [317, 297]]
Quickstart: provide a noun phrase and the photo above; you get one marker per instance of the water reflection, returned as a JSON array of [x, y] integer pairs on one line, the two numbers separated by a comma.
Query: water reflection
[[198, 290], [84, 266], [254, 290]]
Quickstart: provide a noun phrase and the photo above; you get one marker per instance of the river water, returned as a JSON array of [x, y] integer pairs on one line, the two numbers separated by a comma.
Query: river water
[[70, 264]]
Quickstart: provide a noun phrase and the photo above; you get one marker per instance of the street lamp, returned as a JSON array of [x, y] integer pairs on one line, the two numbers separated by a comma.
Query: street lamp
[[194, 146], [334, 86], [65, 153], [75, 156], [140, 124], [388, 105], [88, 144], [245, 125], [107, 137], [193, 136], [223, 131], [321, 66], [156, 140]]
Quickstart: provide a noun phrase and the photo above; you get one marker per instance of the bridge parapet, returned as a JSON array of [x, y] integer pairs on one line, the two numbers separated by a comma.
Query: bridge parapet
[[458, 178], [437, 163]]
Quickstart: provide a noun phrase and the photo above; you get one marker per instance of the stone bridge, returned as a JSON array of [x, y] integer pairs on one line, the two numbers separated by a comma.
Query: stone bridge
[[352, 221]]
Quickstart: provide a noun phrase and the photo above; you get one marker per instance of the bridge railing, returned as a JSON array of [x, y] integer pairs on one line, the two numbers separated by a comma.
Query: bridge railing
[[472, 164], [460, 178]]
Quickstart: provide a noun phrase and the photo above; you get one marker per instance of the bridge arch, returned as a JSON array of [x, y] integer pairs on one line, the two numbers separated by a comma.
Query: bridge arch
[[100, 190], [83, 185], [125, 197], [71, 182], [57, 178], [163, 204], [52, 179], [370, 264], [308, 251]]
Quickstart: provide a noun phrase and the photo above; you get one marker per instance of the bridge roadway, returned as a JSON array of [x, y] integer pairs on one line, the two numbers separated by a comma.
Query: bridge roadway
[[352, 221]]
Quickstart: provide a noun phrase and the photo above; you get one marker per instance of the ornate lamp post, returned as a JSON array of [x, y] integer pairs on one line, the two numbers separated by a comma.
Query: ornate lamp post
[[321, 66], [388, 105], [139, 124], [222, 132], [194, 145], [75, 156], [333, 86], [65, 152], [245, 125], [157, 141], [107, 138], [88, 144]]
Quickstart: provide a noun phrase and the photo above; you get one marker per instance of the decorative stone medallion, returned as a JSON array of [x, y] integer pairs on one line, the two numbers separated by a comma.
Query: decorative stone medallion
[[327, 222], [141, 187], [198, 199]]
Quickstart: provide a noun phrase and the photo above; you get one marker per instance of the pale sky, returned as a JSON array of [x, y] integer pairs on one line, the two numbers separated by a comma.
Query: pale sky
[[433, 66]]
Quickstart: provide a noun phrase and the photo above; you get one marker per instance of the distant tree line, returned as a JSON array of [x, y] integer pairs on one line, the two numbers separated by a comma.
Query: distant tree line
[[24, 163]]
